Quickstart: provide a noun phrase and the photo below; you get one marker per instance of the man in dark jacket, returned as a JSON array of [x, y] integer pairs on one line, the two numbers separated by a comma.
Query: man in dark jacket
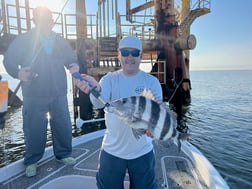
[[38, 58]]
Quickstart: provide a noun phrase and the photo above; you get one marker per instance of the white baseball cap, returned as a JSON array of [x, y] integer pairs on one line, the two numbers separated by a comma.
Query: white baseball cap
[[130, 42]]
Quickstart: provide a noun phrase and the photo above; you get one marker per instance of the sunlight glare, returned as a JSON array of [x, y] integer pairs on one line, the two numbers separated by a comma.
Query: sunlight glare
[[53, 5]]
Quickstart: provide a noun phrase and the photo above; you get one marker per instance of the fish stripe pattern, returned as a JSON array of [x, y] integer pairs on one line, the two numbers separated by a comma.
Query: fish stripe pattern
[[166, 127], [141, 107], [134, 110], [133, 100], [154, 116]]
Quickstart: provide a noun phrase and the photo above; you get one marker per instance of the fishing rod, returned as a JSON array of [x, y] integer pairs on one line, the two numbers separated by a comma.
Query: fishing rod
[[83, 68], [175, 90], [80, 122], [93, 90], [96, 94]]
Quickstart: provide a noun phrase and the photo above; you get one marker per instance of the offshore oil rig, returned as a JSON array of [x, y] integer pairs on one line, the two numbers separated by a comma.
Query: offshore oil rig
[[162, 25]]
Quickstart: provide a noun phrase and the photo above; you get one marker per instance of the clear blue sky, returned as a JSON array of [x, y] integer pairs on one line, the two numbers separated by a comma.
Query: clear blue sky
[[224, 36]]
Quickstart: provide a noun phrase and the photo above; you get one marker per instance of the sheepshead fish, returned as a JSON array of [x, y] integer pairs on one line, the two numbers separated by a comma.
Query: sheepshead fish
[[141, 114]]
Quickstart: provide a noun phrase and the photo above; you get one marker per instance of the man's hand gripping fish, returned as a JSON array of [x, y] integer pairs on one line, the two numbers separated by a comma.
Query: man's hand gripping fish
[[142, 113]]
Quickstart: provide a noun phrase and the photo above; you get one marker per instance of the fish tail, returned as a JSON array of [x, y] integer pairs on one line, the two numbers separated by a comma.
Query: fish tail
[[181, 136], [177, 142], [179, 145]]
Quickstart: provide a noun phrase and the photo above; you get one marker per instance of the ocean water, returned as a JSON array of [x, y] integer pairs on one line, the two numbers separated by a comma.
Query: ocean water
[[219, 119]]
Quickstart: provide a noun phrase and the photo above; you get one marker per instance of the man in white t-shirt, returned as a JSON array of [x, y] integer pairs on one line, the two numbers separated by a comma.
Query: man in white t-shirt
[[120, 150]]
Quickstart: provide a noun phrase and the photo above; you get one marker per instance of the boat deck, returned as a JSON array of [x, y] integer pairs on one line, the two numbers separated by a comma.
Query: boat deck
[[174, 170]]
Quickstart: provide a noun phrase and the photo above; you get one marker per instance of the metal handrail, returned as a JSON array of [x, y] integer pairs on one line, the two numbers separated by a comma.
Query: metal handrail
[[194, 4], [12, 26], [142, 29]]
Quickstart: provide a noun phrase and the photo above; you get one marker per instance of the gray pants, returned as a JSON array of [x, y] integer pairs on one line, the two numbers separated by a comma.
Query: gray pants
[[35, 121]]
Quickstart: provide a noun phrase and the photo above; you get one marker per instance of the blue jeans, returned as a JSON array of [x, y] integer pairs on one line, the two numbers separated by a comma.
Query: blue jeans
[[112, 171], [35, 121]]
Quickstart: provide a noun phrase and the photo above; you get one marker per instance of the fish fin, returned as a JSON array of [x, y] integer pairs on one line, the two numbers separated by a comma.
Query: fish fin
[[181, 136], [165, 105], [134, 119], [148, 94], [138, 132], [179, 145]]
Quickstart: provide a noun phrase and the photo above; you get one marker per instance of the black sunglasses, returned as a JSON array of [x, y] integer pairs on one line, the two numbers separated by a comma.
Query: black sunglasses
[[134, 53]]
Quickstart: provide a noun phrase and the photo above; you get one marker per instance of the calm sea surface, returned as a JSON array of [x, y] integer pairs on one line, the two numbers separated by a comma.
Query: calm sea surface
[[219, 119]]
